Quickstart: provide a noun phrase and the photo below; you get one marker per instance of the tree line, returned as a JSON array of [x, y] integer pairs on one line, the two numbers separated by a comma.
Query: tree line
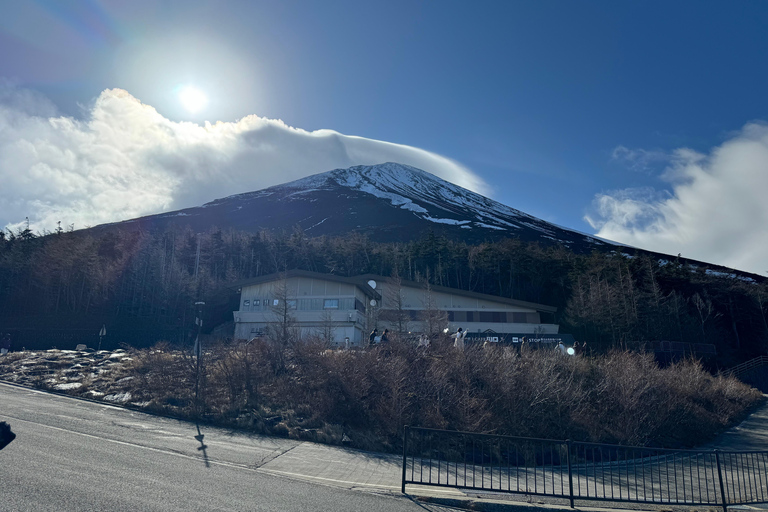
[[71, 279]]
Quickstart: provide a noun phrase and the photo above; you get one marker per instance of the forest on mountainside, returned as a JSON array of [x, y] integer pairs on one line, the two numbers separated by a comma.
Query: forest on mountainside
[[143, 285]]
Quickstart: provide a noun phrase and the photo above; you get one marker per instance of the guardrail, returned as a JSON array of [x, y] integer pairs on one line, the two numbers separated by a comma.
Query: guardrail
[[743, 368], [583, 471]]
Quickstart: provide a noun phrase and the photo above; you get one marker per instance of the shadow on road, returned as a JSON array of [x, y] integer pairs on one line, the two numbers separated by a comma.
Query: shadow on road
[[203, 447]]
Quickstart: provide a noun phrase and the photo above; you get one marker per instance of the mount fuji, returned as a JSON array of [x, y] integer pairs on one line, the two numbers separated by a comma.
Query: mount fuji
[[389, 202]]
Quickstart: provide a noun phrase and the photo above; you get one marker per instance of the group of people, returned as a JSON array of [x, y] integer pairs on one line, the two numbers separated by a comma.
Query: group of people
[[459, 336], [423, 342], [375, 339]]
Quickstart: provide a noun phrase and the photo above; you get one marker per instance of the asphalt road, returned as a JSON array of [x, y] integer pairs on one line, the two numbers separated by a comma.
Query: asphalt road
[[74, 455]]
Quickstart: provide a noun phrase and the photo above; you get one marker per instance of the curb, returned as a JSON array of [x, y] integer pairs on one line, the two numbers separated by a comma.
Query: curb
[[491, 505]]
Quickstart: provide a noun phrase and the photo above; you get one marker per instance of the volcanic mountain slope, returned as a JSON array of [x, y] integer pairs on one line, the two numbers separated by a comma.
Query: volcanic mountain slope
[[388, 202]]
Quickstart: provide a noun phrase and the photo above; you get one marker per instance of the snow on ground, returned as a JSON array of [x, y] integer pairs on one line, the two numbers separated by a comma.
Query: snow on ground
[[100, 375], [68, 385]]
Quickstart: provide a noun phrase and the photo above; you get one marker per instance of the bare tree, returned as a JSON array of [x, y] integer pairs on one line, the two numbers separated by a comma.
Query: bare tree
[[394, 310], [705, 310], [282, 331], [327, 327], [434, 320]]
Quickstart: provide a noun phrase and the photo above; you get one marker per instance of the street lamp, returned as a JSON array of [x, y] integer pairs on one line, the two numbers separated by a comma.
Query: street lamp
[[198, 350]]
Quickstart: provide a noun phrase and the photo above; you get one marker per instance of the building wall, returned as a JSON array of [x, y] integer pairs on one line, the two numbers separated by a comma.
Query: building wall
[[470, 313], [316, 305]]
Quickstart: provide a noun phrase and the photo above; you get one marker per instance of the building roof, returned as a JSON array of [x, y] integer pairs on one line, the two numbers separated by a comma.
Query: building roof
[[360, 283], [464, 293]]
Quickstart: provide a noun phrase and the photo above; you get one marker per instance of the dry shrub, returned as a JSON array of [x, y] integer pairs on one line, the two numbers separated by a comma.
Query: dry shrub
[[368, 395], [165, 377]]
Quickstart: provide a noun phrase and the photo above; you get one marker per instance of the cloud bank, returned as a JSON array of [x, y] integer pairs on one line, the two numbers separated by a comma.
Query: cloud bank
[[125, 160], [716, 211]]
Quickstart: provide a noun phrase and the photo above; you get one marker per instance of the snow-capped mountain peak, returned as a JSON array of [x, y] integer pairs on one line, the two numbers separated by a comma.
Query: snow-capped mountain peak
[[388, 202]]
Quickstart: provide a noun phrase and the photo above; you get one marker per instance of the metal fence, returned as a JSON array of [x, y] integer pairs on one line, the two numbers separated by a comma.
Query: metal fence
[[583, 471]]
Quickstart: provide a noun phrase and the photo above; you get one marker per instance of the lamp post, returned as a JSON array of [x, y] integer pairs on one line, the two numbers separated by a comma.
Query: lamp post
[[198, 350], [102, 333]]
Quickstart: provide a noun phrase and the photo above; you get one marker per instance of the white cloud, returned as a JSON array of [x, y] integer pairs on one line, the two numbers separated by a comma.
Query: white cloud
[[125, 160], [717, 210], [639, 160]]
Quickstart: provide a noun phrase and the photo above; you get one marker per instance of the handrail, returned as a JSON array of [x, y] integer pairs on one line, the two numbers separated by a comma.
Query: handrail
[[744, 367]]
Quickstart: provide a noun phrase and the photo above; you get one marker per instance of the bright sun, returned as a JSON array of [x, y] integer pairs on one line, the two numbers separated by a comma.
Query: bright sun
[[193, 99]]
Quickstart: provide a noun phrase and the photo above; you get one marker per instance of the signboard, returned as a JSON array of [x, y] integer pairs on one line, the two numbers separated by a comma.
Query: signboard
[[507, 338]]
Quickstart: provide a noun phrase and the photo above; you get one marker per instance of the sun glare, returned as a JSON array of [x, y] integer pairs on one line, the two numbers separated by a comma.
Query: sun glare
[[193, 99]]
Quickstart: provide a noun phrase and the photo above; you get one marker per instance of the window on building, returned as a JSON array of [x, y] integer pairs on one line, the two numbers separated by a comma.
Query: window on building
[[520, 318], [246, 303], [331, 304], [255, 302], [291, 303]]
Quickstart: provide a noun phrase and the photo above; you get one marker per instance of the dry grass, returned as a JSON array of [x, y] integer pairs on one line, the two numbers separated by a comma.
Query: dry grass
[[308, 392]]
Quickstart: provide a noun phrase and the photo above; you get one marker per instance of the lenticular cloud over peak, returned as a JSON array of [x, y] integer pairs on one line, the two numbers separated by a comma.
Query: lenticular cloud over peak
[[125, 160]]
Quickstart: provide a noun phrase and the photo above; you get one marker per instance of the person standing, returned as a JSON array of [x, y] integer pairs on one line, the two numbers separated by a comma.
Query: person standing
[[385, 337], [458, 339], [5, 344], [372, 337]]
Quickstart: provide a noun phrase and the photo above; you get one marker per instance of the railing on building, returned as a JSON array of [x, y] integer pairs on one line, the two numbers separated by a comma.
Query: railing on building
[[583, 471]]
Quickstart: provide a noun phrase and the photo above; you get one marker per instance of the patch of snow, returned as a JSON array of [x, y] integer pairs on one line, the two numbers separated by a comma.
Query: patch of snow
[[68, 385], [484, 225], [303, 191], [315, 225], [729, 275], [118, 397], [446, 221], [413, 207], [95, 393]]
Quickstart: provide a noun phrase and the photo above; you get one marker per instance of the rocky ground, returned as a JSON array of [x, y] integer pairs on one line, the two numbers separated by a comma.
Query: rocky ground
[[100, 375]]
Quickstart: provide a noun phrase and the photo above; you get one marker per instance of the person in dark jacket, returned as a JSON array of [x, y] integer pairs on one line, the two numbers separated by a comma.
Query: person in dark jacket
[[5, 343], [385, 336], [372, 337]]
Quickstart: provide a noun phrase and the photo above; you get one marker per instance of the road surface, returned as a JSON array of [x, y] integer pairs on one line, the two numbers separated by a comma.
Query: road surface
[[75, 455]]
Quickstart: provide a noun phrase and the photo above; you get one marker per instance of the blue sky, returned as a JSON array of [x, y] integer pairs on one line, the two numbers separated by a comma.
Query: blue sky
[[640, 121]]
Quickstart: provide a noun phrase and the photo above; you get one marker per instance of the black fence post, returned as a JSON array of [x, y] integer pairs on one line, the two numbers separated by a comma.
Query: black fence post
[[405, 455], [720, 477], [570, 471]]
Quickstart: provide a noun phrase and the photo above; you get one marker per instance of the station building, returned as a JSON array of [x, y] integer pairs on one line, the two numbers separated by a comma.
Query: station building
[[350, 307]]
